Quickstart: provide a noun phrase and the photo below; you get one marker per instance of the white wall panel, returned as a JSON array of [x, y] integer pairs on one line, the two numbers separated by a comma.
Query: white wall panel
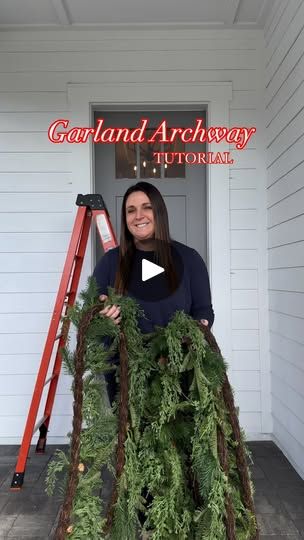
[[294, 401], [35, 202], [289, 303], [29, 121], [243, 199], [244, 279], [30, 161], [285, 128], [289, 420], [285, 441], [287, 208], [243, 319], [244, 259], [244, 299], [32, 262], [280, 99], [31, 323], [123, 60], [102, 44], [16, 404], [248, 401], [287, 256], [34, 242], [244, 239], [33, 101], [286, 279], [244, 158], [242, 179], [285, 135], [293, 326], [26, 302], [286, 348], [245, 340], [39, 221], [244, 79], [288, 232], [253, 422], [286, 185], [286, 162], [251, 383], [281, 40], [35, 182], [246, 360], [36, 282], [243, 219], [35, 142], [9, 383], [291, 58]]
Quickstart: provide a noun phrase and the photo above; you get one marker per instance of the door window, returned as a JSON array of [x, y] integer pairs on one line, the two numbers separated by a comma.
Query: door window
[[137, 160]]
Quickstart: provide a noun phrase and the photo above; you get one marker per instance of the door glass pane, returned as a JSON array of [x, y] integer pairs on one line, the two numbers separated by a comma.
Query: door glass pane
[[125, 160], [135, 160], [148, 166], [175, 169]]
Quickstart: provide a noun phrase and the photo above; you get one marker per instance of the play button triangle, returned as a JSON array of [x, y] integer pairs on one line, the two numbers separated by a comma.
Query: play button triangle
[[150, 270]]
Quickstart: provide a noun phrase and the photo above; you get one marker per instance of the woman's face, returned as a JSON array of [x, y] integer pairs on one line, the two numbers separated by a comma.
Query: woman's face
[[139, 216]]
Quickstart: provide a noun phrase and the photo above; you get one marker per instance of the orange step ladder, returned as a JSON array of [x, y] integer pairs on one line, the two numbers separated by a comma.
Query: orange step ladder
[[89, 207]]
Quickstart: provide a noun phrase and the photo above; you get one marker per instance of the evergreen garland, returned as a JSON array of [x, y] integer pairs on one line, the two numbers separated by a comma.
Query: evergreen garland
[[172, 440]]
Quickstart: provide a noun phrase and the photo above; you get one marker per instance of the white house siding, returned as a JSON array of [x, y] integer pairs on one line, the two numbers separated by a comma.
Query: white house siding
[[285, 143], [37, 204]]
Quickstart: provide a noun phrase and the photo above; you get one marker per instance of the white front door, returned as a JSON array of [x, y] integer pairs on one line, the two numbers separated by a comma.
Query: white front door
[[185, 195]]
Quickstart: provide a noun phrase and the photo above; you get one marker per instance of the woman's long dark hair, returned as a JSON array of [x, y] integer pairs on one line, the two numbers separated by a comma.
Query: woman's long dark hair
[[163, 252]]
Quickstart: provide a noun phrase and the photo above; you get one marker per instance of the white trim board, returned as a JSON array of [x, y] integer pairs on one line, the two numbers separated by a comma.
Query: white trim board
[[215, 96]]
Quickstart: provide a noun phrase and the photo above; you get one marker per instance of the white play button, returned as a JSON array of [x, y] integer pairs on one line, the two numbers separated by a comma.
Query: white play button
[[150, 270]]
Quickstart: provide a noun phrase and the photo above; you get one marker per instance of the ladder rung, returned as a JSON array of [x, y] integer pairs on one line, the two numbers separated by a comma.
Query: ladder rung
[[58, 336], [50, 378], [69, 294], [40, 422]]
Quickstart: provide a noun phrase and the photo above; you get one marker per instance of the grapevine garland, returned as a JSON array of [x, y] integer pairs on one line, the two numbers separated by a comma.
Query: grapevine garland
[[172, 440]]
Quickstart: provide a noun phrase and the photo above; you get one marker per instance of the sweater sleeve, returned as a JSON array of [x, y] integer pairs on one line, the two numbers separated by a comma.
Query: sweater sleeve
[[102, 274], [201, 306]]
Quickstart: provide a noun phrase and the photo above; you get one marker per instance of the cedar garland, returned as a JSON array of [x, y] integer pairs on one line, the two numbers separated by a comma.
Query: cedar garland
[[122, 426], [224, 393], [230, 517], [240, 454], [65, 513], [239, 451]]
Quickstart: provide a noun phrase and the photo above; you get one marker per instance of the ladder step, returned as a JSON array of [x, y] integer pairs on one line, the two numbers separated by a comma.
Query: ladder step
[[50, 378], [40, 422], [69, 294], [58, 336]]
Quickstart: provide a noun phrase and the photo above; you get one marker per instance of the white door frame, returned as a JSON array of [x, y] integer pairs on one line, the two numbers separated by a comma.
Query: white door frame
[[216, 96]]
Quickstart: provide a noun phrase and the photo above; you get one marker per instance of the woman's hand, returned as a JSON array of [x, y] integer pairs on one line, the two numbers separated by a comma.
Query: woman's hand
[[204, 322], [110, 311]]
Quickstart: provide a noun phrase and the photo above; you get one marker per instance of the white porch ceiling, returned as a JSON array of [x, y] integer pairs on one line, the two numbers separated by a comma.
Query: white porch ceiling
[[120, 13]]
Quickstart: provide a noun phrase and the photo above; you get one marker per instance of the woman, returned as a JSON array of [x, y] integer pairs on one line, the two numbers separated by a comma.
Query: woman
[[183, 286]]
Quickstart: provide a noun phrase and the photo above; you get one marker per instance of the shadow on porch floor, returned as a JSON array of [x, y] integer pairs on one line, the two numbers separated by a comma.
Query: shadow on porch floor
[[279, 496]]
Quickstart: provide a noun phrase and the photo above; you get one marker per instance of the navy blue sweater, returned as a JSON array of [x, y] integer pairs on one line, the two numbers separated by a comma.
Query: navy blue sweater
[[192, 296]]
